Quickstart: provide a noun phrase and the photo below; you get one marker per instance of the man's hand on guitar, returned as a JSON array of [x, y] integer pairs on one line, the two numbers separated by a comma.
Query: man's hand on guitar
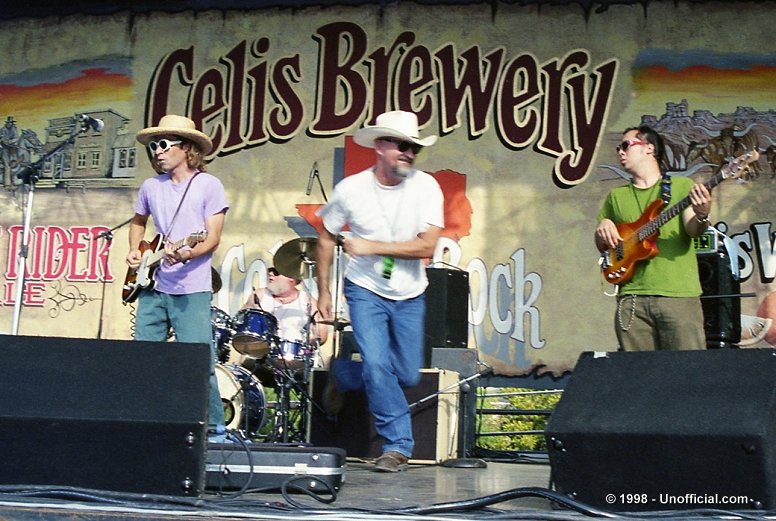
[[700, 198], [606, 235], [134, 258], [172, 256]]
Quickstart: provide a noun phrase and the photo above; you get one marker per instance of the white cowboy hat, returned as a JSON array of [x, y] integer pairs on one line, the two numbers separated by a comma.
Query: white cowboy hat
[[397, 123], [177, 126]]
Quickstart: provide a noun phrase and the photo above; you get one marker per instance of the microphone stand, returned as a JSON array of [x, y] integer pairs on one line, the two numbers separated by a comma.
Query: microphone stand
[[108, 236], [320, 184], [464, 387], [30, 175]]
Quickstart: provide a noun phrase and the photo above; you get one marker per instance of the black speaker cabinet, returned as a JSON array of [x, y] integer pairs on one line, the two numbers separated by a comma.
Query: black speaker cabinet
[[668, 430], [110, 415], [434, 421], [721, 300], [447, 321]]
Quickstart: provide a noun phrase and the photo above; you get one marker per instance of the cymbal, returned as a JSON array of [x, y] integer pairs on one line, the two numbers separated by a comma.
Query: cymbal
[[216, 282], [332, 322], [293, 258], [338, 324]]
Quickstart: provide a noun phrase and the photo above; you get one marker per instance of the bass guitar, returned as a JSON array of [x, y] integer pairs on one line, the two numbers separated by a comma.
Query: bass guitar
[[142, 277], [639, 238]]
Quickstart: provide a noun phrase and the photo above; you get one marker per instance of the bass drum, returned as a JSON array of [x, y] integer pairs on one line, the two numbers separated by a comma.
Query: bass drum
[[243, 399]]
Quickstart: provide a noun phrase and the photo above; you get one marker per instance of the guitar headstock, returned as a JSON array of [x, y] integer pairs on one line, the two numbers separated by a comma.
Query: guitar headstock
[[738, 167], [195, 238]]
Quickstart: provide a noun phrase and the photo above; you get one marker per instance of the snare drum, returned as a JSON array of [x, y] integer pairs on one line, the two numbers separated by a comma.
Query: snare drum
[[254, 330], [288, 353], [223, 328], [243, 399]]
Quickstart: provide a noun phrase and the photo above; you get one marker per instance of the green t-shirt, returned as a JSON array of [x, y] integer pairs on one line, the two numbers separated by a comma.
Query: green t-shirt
[[674, 271]]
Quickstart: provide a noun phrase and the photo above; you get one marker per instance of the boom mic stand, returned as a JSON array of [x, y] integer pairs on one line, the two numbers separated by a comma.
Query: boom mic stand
[[464, 387], [30, 174], [108, 236]]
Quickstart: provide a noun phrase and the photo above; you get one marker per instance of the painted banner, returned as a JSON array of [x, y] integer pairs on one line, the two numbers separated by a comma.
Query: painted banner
[[529, 103]]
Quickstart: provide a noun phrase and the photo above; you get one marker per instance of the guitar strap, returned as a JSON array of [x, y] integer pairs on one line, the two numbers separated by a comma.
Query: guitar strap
[[665, 189], [180, 203]]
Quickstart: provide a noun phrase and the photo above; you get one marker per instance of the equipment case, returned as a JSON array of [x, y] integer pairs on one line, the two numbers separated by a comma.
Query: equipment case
[[267, 466]]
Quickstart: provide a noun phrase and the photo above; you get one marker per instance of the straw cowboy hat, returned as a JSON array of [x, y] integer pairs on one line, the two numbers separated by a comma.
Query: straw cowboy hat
[[177, 126], [398, 124]]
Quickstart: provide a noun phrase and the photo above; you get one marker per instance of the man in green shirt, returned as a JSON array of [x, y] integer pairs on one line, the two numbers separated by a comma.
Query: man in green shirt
[[659, 306]]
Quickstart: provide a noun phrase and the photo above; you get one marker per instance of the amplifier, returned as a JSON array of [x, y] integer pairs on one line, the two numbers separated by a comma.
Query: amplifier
[[434, 421]]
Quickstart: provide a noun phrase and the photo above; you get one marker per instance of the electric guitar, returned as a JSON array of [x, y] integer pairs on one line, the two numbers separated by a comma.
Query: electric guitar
[[639, 238], [142, 277]]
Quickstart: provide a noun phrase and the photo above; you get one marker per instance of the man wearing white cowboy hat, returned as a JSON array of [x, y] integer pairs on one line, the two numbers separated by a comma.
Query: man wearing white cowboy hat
[[183, 200], [395, 214]]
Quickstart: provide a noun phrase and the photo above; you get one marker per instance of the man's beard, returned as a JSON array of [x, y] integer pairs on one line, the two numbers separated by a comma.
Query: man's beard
[[402, 170], [279, 287]]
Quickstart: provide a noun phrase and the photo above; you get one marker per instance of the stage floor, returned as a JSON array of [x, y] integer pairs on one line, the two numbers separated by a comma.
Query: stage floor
[[364, 494]]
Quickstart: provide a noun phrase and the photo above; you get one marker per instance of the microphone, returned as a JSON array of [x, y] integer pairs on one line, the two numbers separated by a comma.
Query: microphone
[[27, 174], [313, 172], [340, 240], [87, 121]]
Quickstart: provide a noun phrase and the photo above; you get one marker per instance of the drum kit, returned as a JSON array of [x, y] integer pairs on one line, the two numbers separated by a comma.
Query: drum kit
[[268, 360]]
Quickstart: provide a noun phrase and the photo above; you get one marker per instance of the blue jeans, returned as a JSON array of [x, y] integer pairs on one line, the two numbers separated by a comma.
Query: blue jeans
[[389, 334], [189, 315]]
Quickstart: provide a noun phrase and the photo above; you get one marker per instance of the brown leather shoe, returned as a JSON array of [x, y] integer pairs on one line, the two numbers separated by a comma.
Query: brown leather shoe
[[391, 461]]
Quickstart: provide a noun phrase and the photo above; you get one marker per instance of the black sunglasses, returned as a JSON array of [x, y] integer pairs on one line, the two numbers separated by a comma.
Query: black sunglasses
[[403, 146]]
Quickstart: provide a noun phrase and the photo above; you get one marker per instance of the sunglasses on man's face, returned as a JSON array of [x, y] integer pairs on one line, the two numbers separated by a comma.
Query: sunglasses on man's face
[[625, 145], [403, 146], [163, 144]]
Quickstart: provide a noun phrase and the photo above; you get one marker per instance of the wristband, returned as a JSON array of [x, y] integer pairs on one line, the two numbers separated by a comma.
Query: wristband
[[705, 220]]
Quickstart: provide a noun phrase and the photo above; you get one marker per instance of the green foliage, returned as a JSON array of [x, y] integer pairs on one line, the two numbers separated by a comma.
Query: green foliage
[[513, 399]]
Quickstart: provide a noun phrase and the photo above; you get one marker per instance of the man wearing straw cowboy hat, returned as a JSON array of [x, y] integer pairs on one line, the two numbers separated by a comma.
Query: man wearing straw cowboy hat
[[395, 214], [183, 200]]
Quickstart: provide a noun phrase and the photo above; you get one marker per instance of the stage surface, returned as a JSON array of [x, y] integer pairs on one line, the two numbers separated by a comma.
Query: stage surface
[[507, 489], [363, 494]]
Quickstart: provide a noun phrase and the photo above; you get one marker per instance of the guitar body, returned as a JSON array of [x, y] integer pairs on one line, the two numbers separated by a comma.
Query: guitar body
[[619, 264], [153, 252], [144, 272]]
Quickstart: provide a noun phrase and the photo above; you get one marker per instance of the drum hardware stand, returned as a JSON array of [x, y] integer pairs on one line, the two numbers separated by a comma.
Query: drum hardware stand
[[286, 376], [30, 174], [286, 381]]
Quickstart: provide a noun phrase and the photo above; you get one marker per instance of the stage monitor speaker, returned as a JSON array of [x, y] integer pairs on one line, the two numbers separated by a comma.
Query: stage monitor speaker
[[668, 430], [721, 300], [434, 421], [104, 414], [447, 297]]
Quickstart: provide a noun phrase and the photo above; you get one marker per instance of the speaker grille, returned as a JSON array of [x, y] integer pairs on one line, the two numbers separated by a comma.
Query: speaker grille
[[668, 424]]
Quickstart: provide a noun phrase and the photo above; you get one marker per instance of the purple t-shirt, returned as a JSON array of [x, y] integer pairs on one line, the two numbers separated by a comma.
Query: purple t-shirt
[[159, 197]]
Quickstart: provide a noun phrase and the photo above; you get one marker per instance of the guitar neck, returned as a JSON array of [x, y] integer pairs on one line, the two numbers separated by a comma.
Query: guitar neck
[[652, 226], [158, 255]]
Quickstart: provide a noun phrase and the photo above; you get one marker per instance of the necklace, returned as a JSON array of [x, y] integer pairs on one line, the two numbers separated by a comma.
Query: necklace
[[642, 205], [379, 191], [287, 299]]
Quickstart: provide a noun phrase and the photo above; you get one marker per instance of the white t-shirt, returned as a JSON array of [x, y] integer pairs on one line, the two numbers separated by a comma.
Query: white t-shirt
[[387, 214], [291, 317]]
